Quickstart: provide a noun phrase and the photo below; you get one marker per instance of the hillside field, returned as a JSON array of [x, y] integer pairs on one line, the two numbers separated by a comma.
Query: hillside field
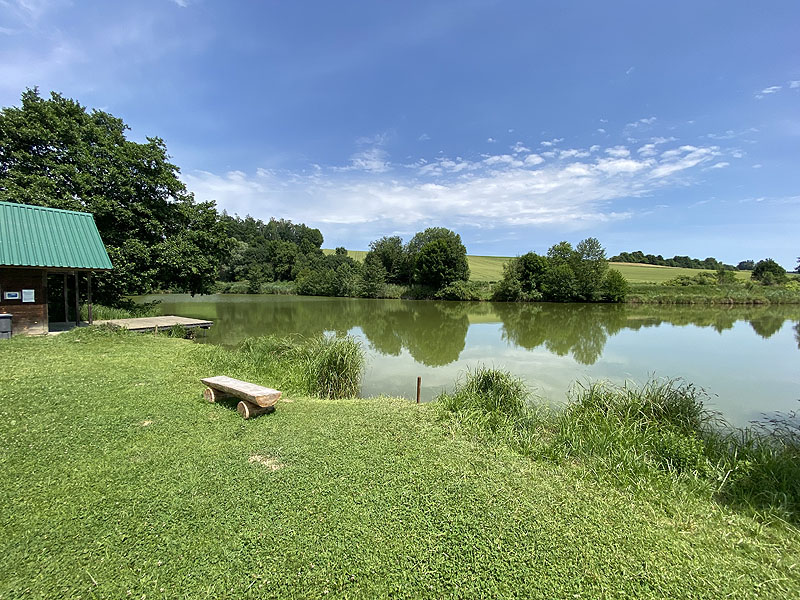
[[490, 268]]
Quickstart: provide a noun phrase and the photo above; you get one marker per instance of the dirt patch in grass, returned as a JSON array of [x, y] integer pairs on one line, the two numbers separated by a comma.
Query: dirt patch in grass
[[273, 464]]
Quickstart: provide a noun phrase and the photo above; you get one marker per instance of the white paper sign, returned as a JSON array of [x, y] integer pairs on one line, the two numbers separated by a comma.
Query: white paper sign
[[11, 295], [28, 296]]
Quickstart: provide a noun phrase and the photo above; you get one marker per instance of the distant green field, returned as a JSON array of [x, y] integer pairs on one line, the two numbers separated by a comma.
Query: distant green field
[[490, 268]]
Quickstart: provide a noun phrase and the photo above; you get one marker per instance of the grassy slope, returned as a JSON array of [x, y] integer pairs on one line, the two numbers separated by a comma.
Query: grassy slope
[[490, 268], [118, 478]]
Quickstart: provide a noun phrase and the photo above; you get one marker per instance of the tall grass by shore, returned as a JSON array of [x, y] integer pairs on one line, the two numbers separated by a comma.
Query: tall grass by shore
[[129, 310], [743, 294], [655, 437], [323, 366]]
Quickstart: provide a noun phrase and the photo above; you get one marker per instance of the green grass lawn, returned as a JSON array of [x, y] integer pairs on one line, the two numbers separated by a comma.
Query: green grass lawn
[[490, 268], [119, 480]]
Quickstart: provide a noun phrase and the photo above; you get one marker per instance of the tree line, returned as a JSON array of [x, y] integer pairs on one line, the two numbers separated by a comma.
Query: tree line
[[687, 262]]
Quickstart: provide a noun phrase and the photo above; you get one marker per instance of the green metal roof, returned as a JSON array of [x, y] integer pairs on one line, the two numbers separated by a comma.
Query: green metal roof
[[35, 236]]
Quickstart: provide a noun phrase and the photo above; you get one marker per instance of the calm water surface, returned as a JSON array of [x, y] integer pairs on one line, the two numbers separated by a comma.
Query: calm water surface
[[746, 358]]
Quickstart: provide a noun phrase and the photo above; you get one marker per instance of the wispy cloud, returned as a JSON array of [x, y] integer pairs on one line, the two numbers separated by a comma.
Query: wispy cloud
[[773, 89], [576, 190]]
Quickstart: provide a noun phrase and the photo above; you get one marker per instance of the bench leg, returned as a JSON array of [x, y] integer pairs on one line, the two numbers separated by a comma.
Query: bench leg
[[248, 410], [213, 395]]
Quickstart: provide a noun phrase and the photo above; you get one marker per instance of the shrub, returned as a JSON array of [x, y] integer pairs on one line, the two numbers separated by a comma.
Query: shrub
[[459, 290], [768, 272], [615, 287], [335, 366]]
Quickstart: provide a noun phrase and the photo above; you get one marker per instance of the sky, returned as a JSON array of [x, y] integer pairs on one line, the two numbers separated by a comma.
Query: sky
[[669, 127]]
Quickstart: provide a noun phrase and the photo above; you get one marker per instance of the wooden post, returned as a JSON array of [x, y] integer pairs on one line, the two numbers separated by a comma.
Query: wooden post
[[77, 301], [89, 294], [66, 301], [419, 385]]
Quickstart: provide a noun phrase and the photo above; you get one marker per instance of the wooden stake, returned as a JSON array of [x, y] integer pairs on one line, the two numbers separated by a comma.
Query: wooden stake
[[419, 385], [248, 410]]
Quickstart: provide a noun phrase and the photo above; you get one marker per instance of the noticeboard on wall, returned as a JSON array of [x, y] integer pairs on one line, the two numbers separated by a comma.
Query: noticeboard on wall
[[11, 295], [29, 295]]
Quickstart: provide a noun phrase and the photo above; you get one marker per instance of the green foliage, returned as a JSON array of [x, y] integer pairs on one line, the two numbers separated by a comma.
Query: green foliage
[[684, 262], [566, 274], [341, 251], [769, 272], [388, 252], [53, 152], [440, 263], [615, 287], [746, 265], [461, 290], [438, 258]]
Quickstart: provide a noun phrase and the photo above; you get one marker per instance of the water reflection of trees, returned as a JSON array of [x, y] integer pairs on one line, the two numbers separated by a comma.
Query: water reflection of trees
[[434, 333]]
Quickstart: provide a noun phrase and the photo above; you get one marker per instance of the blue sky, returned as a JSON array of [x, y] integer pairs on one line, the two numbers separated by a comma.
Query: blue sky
[[673, 128]]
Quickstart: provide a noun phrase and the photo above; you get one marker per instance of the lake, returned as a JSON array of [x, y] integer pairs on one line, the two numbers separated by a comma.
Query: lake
[[746, 358]]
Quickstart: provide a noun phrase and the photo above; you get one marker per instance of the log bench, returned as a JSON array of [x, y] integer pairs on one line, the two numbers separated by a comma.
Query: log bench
[[254, 399]]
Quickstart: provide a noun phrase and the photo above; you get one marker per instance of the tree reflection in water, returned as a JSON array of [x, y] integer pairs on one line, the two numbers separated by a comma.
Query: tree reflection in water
[[434, 333]]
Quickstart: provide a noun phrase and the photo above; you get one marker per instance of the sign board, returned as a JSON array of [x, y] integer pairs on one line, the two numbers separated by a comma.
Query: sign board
[[10, 295], [28, 296]]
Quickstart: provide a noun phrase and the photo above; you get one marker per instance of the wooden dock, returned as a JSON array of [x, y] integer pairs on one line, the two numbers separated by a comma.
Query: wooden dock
[[145, 324]]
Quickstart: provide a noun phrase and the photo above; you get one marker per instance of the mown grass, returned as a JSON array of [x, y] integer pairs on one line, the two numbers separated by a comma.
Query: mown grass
[[120, 481]]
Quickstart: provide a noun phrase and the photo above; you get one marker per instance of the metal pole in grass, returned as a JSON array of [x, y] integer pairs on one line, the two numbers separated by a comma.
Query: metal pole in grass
[[419, 384]]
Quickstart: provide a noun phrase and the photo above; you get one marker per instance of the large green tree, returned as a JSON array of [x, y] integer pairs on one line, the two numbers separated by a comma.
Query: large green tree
[[443, 256], [56, 153]]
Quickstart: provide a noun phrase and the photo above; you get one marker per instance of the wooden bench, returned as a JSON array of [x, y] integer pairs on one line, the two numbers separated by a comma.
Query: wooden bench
[[254, 399]]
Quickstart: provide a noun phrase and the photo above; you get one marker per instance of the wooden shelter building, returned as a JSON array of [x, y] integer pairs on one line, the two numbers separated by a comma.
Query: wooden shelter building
[[42, 249]]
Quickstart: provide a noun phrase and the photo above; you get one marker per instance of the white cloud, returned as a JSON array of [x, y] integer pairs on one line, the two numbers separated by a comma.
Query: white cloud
[[496, 190], [630, 70], [794, 84], [553, 142], [618, 151], [600, 130], [372, 160], [685, 157], [647, 150], [720, 165], [520, 147], [773, 89], [758, 166], [423, 138], [573, 153], [491, 140]]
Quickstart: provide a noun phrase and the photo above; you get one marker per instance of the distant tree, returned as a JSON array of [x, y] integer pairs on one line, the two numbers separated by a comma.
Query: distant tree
[[797, 270], [445, 261], [439, 263], [746, 265], [725, 277], [53, 152], [374, 279], [389, 253], [589, 265], [769, 272], [341, 251], [522, 280]]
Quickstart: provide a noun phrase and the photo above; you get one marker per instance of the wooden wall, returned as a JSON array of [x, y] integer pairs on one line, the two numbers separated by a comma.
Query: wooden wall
[[27, 317]]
